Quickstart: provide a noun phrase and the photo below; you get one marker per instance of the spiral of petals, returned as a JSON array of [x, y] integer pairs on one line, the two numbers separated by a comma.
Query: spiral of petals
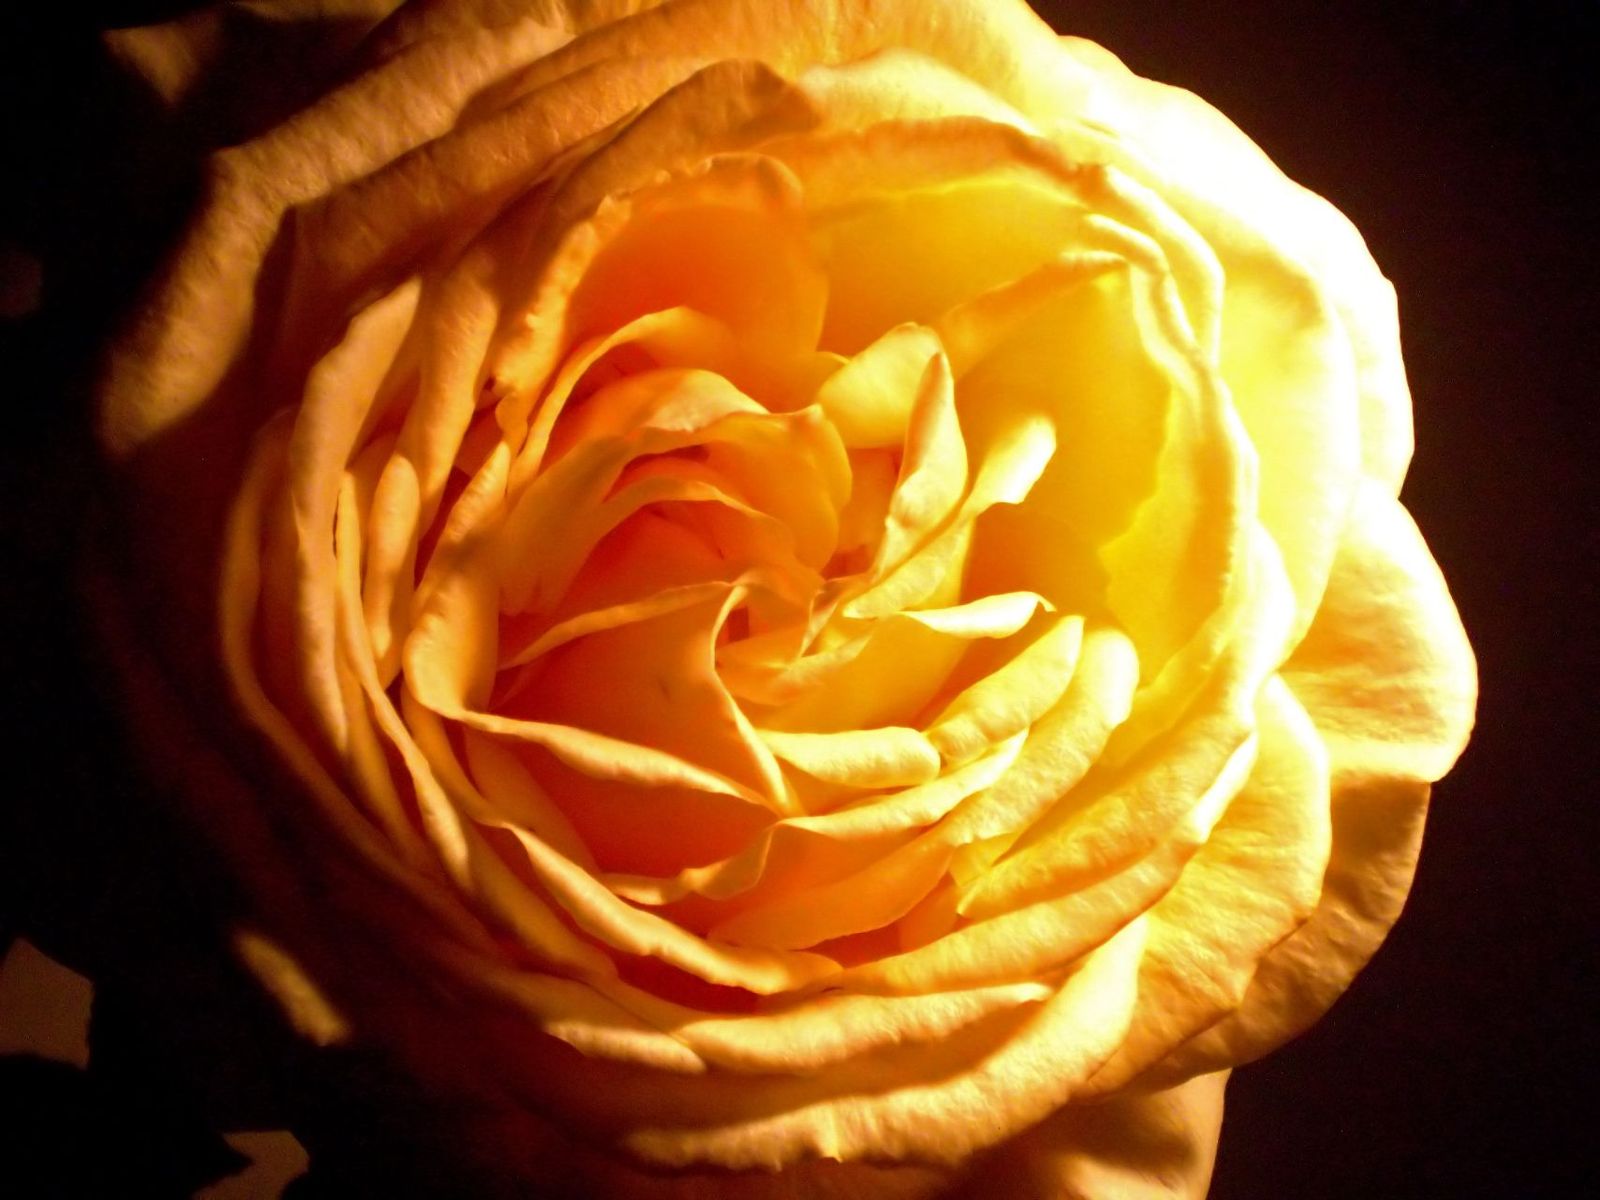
[[837, 564]]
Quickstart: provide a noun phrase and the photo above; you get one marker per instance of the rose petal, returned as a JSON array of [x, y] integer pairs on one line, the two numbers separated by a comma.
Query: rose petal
[[1251, 885], [1387, 677]]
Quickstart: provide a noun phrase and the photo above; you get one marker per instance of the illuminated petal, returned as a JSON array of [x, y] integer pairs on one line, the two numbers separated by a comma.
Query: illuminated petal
[[1252, 884], [1385, 670], [1017, 350], [339, 393], [1173, 565], [1060, 748], [870, 399], [888, 756], [899, 85], [1220, 181], [1012, 463], [912, 217], [1025, 939], [1387, 677], [1008, 701], [930, 1116], [933, 473]]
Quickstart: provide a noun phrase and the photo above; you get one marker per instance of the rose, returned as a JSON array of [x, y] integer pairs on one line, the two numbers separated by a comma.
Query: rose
[[801, 588]]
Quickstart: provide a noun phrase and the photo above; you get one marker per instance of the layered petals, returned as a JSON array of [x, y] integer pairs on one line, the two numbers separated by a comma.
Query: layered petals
[[844, 558]]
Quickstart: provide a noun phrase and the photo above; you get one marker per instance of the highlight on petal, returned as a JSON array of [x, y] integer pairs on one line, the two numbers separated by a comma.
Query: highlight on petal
[[1385, 670], [1389, 731], [942, 1119], [888, 756]]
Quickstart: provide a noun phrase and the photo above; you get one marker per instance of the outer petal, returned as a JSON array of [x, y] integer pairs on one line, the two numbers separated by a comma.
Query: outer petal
[[1385, 670], [1222, 182], [1158, 1145], [1387, 677]]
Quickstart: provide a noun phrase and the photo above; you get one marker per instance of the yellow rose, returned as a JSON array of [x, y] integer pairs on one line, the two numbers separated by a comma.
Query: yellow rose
[[801, 587]]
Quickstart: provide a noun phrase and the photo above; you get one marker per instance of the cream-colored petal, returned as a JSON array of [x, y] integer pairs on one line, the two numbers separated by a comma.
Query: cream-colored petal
[[1029, 938], [1118, 814], [933, 469], [900, 85], [1060, 748], [1173, 565], [912, 217]]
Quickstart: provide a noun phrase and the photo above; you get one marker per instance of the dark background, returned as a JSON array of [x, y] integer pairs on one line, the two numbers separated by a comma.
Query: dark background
[[1460, 138]]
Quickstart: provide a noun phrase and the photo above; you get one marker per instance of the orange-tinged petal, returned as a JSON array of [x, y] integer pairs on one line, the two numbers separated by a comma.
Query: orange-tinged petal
[[633, 931], [723, 237], [509, 790], [676, 704], [446, 190], [874, 821], [239, 597], [1376, 835], [339, 392], [877, 895], [1030, 936], [821, 1031], [1123, 808]]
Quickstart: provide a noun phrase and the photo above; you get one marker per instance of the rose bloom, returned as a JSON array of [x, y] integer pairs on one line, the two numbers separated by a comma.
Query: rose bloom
[[776, 597]]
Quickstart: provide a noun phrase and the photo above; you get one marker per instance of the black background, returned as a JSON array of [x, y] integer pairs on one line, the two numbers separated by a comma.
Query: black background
[[1459, 137]]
